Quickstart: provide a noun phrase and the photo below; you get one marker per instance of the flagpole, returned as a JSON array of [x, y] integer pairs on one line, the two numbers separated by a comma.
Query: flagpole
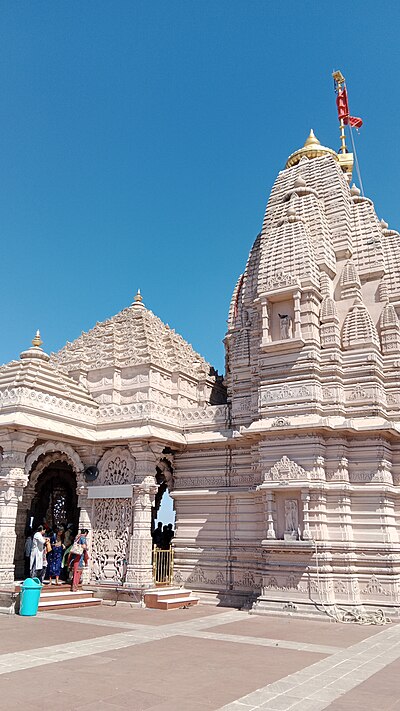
[[340, 80]]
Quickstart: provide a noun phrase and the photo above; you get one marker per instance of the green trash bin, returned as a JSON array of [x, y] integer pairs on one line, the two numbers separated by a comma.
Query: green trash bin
[[30, 595]]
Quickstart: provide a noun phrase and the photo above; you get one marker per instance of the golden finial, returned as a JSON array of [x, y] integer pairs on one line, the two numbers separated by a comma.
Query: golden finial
[[138, 298], [311, 149], [37, 341], [312, 140]]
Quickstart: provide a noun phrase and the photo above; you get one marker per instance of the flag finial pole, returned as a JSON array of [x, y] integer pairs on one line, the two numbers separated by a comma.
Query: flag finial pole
[[340, 83]]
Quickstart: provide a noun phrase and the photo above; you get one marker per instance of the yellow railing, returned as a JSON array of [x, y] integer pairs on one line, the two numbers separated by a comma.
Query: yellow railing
[[163, 566]]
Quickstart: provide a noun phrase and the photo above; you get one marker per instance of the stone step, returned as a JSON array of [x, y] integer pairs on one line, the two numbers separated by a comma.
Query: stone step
[[68, 602], [66, 594], [176, 603], [166, 594], [169, 599]]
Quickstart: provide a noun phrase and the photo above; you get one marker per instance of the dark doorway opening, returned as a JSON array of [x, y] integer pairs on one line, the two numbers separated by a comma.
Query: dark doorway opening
[[55, 502]]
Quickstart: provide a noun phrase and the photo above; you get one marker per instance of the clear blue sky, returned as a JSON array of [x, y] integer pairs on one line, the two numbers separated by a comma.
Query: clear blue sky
[[139, 142]]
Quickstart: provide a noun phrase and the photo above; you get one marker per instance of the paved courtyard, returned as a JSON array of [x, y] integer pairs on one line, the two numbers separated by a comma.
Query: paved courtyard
[[199, 659]]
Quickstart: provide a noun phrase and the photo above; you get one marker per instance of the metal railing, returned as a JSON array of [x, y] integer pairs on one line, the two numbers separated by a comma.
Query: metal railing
[[163, 566]]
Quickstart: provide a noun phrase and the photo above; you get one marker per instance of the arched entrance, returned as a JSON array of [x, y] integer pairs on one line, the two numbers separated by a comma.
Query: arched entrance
[[55, 502], [50, 498]]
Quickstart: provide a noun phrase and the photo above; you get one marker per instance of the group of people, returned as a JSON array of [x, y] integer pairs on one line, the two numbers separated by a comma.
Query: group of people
[[55, 555], [162, 536]]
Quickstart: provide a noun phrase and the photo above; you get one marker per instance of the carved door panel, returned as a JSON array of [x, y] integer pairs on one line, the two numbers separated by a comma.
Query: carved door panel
[[111, 533]]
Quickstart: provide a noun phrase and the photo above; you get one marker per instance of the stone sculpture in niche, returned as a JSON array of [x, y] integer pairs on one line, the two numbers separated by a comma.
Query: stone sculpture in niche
[[291, 519], [285, 326]]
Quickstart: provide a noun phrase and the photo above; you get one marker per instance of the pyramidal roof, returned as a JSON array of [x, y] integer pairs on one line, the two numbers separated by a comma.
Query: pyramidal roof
[[35, 374], [134, 336]]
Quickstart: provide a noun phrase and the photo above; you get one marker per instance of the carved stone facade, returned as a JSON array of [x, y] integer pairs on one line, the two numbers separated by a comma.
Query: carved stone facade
[[286, 475]]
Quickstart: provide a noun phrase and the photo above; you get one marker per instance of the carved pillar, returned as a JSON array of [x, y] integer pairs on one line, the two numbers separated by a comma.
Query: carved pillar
[[266, 336], [90, 455], [270, 518], [344, 503], [139, 570], [297, 314], [305, 497], [85, 521], [12, 482], [388, 521]]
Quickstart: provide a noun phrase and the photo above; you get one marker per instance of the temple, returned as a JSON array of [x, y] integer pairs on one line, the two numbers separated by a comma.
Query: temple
[[285, 474]]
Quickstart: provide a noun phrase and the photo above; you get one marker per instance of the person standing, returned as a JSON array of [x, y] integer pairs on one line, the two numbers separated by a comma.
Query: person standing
[[78, 557], [36, 557], [157, 535], [54, 558]]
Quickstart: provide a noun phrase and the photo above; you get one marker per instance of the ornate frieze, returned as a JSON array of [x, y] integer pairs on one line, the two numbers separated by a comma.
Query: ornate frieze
[[286, 469]]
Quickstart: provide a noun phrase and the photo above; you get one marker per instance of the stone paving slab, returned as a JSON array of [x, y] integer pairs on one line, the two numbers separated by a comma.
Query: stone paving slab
[[385, 684], [181, 671], [21, 633], [143, 616], [300, 630], [109, 658]]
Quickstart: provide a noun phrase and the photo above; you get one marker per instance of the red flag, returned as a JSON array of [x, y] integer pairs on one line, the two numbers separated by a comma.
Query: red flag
[[342, 103], [354, 121]]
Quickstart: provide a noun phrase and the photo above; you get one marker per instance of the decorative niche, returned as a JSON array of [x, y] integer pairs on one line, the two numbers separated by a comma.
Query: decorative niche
[[281, 318]]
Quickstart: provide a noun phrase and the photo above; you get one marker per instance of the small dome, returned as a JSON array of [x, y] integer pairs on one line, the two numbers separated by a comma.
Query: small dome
[[311, 149]]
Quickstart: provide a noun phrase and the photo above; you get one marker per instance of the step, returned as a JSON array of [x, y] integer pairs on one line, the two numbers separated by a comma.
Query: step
[[164, 603], [177, 603], [60, 597], [166, 594], [69, 602]]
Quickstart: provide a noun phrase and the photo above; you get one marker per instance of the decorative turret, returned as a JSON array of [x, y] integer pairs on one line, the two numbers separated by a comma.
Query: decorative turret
[[350, 281], [138, 300], [358, 328], [390, 330], [35, 351]]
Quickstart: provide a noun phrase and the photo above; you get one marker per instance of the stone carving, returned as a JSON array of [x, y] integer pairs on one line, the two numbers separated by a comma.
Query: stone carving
[[374, 587], [117, 466], [286, 469], [280, 422], [285, 326], [285, 393], [291, 516], [50, 447], [111, 531], [279, 280]]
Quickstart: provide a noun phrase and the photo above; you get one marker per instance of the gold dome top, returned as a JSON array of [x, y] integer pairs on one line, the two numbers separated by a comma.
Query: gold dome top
[[37, 341], [311, 149]]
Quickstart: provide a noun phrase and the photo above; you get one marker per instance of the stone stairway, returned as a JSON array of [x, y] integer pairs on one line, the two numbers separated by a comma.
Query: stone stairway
[[169, 598], [60, 597]]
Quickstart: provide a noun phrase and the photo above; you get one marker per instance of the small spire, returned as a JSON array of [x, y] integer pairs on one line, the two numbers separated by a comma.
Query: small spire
[[37, 341], [35, 351], [312, 140], [138, 300]]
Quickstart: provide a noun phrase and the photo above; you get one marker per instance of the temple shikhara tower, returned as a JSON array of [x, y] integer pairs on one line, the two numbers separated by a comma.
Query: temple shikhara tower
[[285, 474]]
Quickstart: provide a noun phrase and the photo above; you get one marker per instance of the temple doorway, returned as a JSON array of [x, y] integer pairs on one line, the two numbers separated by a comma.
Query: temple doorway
[[55, 502], [51, 501]]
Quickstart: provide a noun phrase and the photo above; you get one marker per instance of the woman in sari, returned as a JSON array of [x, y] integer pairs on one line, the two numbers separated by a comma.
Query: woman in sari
[[54, 558], [77, 560]]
